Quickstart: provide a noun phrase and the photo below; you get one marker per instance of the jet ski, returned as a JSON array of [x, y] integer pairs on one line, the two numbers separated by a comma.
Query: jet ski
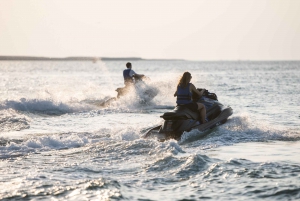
[[143, 90], [182, 119]]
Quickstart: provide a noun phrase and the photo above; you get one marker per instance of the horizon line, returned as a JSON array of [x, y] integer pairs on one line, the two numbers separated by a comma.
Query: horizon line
[[93, 58]]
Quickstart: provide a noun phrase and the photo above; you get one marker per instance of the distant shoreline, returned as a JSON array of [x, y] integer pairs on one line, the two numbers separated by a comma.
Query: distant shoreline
[[32, 58], [95, 59]]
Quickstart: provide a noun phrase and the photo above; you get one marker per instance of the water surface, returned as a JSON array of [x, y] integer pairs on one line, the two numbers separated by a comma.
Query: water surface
[[56, 142]]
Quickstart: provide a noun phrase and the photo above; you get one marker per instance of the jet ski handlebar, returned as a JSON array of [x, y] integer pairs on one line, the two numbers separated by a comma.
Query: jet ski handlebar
[[206, 94], [140, 77]]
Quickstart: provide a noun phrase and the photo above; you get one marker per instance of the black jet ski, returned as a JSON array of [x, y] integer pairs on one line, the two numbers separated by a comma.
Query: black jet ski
[[182, 119]]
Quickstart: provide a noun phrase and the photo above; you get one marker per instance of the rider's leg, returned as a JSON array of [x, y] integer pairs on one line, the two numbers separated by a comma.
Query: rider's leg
[[202, 111]]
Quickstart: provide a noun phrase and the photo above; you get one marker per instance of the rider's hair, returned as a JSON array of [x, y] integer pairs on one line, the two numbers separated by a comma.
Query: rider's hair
[[185, 79], [128, 65]]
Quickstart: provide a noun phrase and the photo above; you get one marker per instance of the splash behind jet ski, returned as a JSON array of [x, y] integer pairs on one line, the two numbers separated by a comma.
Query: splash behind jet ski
[[143, 90], [182, 119]]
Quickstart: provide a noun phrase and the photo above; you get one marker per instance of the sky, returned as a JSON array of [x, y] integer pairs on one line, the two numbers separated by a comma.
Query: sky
[[152, 29]]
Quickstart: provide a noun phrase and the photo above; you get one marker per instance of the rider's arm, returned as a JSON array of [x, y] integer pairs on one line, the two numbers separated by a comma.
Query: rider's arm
[[135, 75], [193, 89], [132, 73], [138, 75]]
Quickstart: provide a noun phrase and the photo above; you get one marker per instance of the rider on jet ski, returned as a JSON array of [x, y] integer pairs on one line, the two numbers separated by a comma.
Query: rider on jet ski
[[130, 80], [184, 93], [130, 77]]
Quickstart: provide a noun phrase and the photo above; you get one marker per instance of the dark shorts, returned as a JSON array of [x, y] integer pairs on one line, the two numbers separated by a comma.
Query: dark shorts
[[192, 106]]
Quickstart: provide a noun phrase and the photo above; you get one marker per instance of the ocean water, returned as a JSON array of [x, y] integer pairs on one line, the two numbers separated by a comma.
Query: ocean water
[[58, 143]]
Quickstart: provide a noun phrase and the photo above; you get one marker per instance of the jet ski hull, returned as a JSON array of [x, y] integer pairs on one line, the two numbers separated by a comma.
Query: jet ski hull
[[182, 119]]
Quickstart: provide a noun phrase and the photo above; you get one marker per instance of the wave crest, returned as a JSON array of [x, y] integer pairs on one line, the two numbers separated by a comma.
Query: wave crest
[[48, 107], [10, 120]]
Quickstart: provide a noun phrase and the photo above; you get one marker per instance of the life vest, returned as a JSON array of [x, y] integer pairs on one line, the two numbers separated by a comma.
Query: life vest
[[127, 77], [184, 96]]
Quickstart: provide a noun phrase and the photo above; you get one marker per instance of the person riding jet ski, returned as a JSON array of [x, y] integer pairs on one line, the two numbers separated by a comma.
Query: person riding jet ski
[[192, 105], [184, 94], [130, 78], [134, 82]]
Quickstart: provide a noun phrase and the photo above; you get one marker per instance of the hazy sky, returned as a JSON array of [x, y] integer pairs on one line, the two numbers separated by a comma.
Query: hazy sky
[[182, 29]]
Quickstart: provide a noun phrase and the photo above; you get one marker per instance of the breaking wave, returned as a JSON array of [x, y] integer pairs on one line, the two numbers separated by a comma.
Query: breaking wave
[[11, 120], [48, 107], [238, 129]]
